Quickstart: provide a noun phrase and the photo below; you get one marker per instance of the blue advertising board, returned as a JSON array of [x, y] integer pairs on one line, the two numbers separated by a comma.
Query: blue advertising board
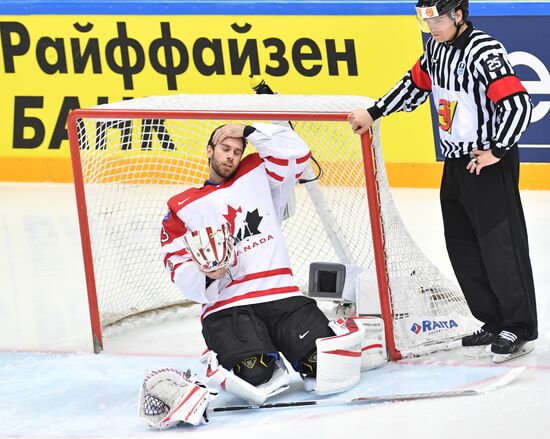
[[526, 40]]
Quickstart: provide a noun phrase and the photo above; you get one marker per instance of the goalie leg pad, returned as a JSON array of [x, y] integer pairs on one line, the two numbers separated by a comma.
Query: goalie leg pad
[[219, 377], [373, 346], [339, 358]]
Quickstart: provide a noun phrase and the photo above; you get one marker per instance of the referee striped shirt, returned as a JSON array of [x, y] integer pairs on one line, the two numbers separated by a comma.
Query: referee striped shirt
[[481, 103]]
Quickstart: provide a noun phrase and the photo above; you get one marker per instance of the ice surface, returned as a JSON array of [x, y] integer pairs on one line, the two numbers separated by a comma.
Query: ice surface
[[51, 385]]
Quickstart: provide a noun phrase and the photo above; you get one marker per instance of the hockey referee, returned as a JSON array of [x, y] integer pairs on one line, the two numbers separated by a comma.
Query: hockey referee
[[482, 109]]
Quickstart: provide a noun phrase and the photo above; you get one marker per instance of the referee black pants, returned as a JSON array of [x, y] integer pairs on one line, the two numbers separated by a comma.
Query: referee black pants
[[486, 240]]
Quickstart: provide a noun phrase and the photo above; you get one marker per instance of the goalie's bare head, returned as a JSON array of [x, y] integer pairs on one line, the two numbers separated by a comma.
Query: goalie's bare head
[[224, 156]]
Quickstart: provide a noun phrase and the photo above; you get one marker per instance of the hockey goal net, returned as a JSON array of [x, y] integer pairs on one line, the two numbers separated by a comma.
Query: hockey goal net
[[129, 158]]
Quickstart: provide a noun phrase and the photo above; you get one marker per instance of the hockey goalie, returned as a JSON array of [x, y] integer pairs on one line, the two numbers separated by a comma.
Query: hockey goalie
[[224, 248]]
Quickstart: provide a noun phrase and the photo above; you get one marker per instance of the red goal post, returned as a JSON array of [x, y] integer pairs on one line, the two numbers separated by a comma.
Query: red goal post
[[93, 127]]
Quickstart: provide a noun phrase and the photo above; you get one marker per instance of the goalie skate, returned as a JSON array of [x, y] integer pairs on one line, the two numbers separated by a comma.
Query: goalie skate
[[524, 349]]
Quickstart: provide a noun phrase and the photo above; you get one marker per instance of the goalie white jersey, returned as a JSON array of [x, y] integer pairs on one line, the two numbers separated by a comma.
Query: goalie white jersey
[[252, 202]]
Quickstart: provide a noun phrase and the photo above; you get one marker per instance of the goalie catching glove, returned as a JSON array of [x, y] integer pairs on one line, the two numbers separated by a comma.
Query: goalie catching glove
[[211, 248], [169, 397]]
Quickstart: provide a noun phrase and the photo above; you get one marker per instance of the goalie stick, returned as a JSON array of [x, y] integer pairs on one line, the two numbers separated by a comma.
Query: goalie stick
[[478, 389]]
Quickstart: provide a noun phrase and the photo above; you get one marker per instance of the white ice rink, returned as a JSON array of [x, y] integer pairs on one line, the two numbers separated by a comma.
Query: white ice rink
[[51, 385]]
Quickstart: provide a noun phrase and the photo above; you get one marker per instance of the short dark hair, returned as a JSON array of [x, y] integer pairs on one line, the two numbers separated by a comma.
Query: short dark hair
[[211, 143], [463, 6]]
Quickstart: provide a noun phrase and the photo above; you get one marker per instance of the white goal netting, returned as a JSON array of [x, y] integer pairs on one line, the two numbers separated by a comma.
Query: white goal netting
[[133, 163]]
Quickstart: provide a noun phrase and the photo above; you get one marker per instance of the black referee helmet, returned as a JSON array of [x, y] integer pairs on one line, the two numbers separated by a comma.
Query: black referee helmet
[[445, 6]]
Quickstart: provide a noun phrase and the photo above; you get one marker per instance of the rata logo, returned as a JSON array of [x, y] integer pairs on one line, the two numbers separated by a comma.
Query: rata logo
[[446, 113], [433, 325], [243, 225]]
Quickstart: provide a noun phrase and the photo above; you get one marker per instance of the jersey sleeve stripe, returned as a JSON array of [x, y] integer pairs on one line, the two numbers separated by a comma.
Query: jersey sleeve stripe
[[420, 78], [276, 161], [304, 158], [173, 272], [174, 260], [182, 252], [174, 246], [504, 87], [274, 175]]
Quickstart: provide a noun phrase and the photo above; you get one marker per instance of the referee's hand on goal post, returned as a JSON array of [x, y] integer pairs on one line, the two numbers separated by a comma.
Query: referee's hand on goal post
[[360, 121]]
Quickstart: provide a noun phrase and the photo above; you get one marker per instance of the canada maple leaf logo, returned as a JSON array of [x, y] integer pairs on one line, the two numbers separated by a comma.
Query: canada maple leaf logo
[[247, 225]]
